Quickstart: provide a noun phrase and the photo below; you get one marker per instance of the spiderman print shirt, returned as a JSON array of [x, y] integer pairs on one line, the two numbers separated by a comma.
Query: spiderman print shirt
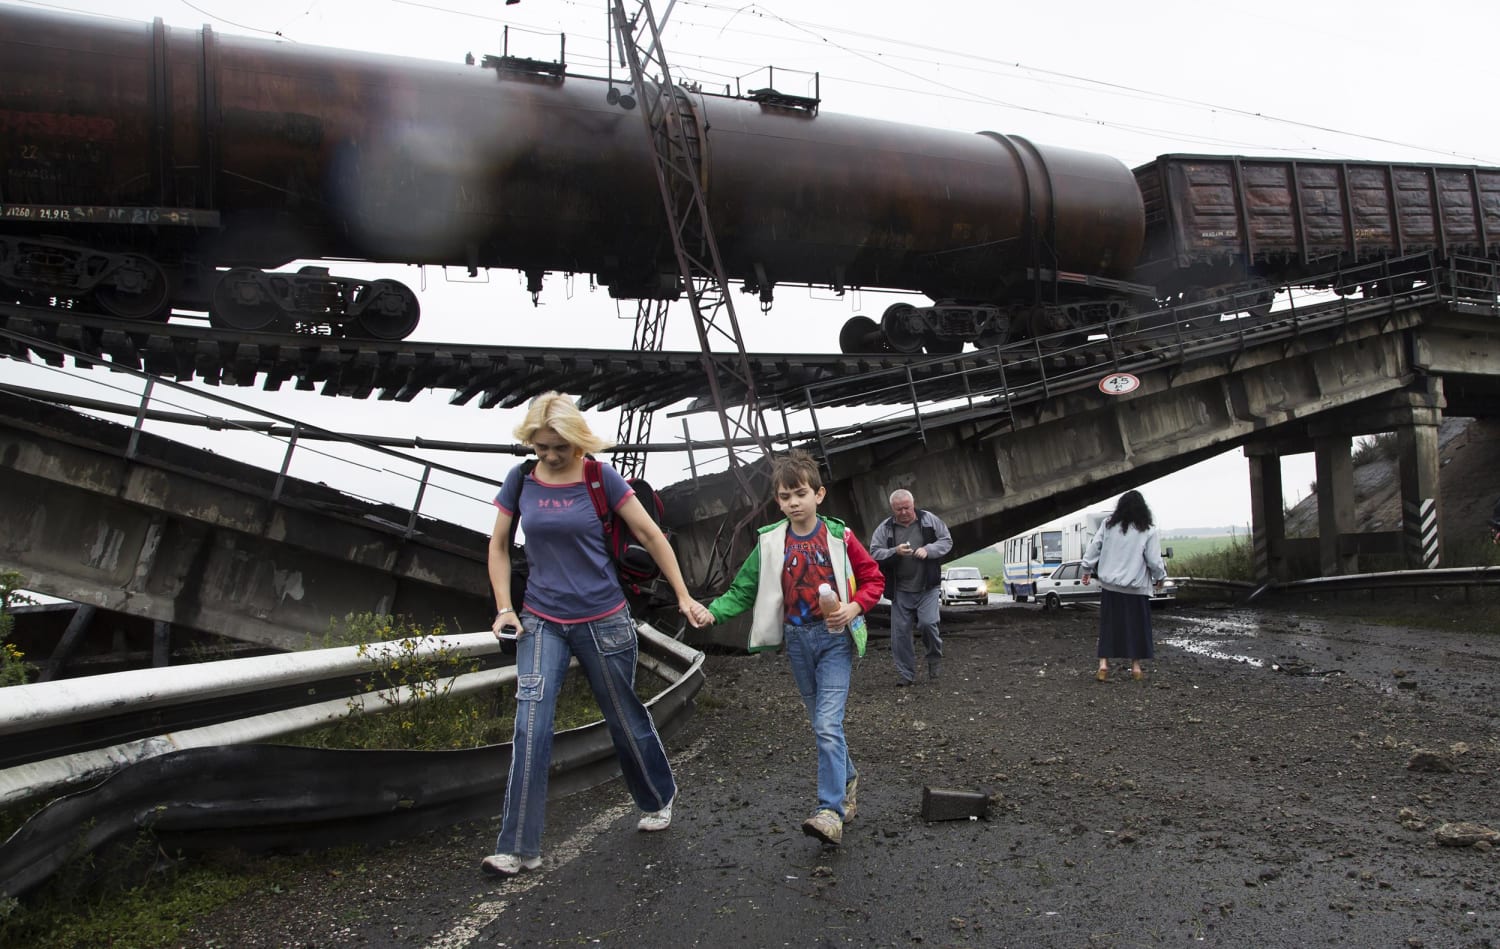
[[804, 566]]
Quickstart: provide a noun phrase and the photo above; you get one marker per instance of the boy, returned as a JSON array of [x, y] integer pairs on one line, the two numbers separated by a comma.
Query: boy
[[780, 581]]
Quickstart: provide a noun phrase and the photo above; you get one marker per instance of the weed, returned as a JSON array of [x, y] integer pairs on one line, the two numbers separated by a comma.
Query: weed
[[14, 669], [420, 712], [1382, 447], [146, 908]]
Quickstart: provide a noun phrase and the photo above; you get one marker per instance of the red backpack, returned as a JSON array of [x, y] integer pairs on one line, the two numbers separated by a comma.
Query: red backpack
[[633, 562]]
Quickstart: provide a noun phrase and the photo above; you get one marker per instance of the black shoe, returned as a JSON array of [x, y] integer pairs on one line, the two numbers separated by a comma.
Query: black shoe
[[902, 683]]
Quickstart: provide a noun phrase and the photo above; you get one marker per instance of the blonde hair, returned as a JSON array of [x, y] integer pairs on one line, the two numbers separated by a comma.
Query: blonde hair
[[556, 411]]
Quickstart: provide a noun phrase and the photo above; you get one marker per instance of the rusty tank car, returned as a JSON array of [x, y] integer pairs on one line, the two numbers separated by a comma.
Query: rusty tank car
[[147, 168]]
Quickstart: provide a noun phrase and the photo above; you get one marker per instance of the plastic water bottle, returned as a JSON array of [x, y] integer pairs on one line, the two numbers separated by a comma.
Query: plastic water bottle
[[828, 601]]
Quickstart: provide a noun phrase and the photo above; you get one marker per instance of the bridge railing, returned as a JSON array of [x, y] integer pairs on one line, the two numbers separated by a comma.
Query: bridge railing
[[999, 380], [367, 469]]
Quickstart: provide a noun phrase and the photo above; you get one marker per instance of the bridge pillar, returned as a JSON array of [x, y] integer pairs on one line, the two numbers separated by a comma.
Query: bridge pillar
[[1421, 497], [1267, 515], [1335, 473]]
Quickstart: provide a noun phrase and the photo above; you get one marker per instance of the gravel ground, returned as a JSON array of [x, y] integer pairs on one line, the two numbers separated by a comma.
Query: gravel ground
[[1262, 787]]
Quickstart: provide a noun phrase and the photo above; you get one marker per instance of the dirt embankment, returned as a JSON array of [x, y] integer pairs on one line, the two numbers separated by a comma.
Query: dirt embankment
[[1469, 477]]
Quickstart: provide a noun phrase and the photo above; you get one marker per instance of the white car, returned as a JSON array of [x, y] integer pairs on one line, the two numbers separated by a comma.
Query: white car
[[964, 585], [1065, 585]]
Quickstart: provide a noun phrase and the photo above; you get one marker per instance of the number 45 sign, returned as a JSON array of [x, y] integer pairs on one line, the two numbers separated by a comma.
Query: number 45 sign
[[1119, 383]]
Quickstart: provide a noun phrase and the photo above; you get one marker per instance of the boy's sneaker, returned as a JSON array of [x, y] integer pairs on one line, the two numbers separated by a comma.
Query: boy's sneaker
[[826, 826], [657, 820], [508, 864], [851, 807]]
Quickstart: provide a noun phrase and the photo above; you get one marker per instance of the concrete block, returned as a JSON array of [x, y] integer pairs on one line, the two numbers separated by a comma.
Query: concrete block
[[953, 804]]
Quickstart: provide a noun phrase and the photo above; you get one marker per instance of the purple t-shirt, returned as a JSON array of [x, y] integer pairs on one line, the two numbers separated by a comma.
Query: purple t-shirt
[[572, 578]]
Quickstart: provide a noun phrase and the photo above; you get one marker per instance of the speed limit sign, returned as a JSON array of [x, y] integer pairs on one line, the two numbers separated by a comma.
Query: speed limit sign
[[1119, 383]]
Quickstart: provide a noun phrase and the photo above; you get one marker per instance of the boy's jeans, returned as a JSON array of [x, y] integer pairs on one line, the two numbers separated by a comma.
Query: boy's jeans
[[821, 665], [606, 651]]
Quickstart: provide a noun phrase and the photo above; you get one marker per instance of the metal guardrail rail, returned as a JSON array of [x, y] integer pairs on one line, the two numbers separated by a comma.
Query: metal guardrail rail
[[215, 785], [1383, 580], [1389, 579]]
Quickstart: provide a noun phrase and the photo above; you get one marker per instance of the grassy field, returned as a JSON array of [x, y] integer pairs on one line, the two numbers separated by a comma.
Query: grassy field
[[991, 564], [1186, 548]]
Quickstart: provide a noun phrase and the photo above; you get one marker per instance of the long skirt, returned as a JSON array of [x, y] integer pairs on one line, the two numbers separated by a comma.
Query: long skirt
[[1124, 626]]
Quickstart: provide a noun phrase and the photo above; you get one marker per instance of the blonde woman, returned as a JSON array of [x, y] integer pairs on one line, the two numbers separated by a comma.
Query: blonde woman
[[574, 606]]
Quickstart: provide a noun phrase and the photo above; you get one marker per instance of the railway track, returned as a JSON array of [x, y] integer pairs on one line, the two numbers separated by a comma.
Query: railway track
[[496, 376], [508, 376]]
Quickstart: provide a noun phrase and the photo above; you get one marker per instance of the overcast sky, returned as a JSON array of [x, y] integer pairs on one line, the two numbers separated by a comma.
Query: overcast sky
[[1314, 78]]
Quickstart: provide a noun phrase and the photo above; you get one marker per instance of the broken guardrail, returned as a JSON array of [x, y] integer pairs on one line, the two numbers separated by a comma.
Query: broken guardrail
[[211, 786]]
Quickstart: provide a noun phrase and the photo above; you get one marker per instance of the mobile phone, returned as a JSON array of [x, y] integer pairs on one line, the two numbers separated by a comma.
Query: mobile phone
[[506, 634]]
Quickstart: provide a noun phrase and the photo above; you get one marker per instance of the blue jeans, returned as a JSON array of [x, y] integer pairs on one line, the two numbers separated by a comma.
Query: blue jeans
[[606, 651], [919, 610], [822, 663]]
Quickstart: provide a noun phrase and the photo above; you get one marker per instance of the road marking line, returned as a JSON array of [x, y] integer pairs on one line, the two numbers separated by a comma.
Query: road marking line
[[466, 930]]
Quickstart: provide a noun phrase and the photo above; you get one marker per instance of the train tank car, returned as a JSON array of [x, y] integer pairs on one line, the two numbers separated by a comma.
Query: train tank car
[[145, 168]]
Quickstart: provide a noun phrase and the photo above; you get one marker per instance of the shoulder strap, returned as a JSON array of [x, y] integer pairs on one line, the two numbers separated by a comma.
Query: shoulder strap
[[593, 477], [515, 522]]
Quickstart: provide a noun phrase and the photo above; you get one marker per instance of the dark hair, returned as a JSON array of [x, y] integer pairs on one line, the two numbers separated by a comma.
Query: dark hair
[[794, 468], [1131, 511]]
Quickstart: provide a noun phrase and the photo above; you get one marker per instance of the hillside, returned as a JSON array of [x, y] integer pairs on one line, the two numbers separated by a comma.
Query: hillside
[[1469, 458]]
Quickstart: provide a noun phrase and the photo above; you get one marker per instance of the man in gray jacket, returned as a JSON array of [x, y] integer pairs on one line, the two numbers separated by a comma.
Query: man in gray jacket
[[910, 546]]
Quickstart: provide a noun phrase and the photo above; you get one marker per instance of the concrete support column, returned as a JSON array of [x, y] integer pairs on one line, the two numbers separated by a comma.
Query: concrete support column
[[1335, 468], [1267, 517], [1421, 497], [161, 644]]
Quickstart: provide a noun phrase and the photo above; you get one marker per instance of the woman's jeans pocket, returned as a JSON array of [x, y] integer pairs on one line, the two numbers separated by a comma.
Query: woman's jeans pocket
[[614, 634]]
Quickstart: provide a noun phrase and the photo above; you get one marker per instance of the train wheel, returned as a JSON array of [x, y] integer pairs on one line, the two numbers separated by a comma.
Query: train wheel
[[241, 302], [136, 289], [991, 340], [1261, 308], [902, 327], [861, 334], [387, 310]]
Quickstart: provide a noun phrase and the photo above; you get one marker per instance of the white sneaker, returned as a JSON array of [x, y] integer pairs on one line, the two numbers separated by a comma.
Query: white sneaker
[[508, 864], [657, 820]]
